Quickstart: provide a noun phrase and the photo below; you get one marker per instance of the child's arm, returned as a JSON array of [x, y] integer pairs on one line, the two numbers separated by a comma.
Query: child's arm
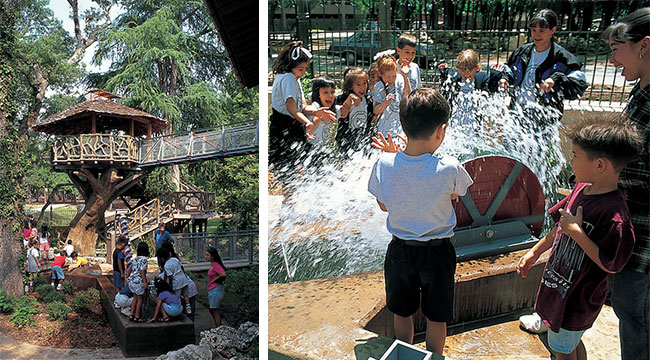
[[379, 108], [324, 113], [143, 273], [381, 205], [528, 260], [301, 118], [155, 313], [407, 83], [570, 225]]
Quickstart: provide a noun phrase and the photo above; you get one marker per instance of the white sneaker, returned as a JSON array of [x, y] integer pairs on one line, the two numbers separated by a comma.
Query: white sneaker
[[52, 284], [59, 287], [533, 323], [188, 309]]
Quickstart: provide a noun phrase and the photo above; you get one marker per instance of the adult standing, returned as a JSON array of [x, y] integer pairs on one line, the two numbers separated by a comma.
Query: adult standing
[[162, 235], [543, 71], [216, 277], [629, 40]]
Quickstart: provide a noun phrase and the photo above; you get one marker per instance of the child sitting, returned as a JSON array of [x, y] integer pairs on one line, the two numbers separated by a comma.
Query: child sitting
[[420, 260], [406, 50], [168, 304], [387, 93], [593, 236], [354, 127]]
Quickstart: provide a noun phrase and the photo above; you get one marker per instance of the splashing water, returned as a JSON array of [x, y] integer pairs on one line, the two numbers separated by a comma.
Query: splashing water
[[329, 225]]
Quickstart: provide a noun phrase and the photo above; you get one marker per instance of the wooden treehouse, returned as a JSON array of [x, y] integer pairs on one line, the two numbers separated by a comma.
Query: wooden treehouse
[[103, 146]]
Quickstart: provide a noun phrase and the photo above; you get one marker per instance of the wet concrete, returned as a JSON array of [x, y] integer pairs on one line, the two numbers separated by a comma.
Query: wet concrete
[[333, 318]]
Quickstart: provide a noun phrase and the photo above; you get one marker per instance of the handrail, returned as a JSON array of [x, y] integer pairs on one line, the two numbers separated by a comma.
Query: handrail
[[221, 140], [232, 245]]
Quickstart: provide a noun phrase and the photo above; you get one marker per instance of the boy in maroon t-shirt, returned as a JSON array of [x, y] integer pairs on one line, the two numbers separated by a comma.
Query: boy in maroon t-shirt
[[596, 241]]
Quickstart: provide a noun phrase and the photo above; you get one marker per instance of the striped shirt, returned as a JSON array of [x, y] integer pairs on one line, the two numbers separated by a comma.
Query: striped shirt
[[635, 180]]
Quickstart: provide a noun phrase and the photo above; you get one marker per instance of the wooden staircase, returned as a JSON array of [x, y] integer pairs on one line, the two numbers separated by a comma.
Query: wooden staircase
[[188, 203]]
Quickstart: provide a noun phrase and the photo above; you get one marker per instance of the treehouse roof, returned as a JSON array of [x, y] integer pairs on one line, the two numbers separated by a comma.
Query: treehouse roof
[[238, 28], [108, 115]]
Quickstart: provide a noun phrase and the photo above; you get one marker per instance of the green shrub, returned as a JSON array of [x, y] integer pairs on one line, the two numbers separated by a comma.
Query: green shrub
[[68, 287], [39, 281], [54, 297], [6, 302], [24, 311], [44, 289], [85, 300], [57, 310]]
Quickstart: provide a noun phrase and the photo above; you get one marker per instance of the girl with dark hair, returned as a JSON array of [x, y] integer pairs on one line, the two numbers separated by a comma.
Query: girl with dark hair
[[353, 131], [137, 280], [289, 120], [629, 40], [168, 304], [322, 96], [216, 277], [542, 71]]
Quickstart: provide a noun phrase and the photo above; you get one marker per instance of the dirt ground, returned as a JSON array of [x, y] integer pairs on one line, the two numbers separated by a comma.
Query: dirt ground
[[85, 331]]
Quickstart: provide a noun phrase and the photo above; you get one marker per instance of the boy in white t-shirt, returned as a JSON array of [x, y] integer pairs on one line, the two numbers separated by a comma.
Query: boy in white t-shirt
[[417, 188], [406, 50]]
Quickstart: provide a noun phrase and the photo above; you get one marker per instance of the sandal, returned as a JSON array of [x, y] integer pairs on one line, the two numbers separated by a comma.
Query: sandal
[[165, 319], [131, 318], [137, 319]]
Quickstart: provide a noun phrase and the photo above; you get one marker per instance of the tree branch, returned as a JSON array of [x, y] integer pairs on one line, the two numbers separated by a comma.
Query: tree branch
[[92, 180]]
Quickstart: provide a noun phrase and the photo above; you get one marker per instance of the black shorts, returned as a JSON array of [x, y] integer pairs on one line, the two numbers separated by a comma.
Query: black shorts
[[411, 272]]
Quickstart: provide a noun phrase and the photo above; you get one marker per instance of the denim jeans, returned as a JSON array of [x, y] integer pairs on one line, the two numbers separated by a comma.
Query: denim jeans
[[631, 302]]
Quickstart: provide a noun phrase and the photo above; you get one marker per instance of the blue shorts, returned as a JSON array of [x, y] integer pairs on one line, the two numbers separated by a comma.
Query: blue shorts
[[173, 309], [118, 281], [565, 341], [215, 296], [57, 273]]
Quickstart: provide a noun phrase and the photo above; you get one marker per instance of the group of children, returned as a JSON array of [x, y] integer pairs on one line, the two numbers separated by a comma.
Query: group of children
[[542, 72], [38, 245], [172, 285], [593, 236]]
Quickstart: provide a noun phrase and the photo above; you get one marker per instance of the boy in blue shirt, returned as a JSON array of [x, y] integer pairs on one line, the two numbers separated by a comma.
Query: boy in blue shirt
[[417, 188]]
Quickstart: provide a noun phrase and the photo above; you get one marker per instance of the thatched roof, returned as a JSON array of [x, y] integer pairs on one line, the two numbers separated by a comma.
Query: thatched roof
[[237, 23], [109, 116]]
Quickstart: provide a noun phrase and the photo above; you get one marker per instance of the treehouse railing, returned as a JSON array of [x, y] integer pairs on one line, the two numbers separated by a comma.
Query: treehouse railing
[[224, 140], [95, 147]]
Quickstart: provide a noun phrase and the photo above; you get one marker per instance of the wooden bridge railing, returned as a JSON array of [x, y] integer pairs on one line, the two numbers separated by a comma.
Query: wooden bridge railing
[[95, 147], [234, 245]]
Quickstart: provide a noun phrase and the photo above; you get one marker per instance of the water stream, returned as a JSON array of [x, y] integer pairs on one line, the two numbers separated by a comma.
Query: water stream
[[329, 225]]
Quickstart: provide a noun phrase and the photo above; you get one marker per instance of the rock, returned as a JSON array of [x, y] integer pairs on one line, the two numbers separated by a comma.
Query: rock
[[230, 342], [107, 269], [189, 352]]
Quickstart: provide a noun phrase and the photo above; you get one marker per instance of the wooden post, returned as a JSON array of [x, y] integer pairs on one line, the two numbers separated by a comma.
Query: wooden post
[[110, 243], [93, 129], [132, 128]]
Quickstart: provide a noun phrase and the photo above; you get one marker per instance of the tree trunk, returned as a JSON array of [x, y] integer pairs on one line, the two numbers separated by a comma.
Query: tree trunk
[[10, 275], [99, 194]]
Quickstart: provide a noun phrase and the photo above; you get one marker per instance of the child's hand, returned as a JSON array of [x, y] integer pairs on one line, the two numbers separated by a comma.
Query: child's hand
[[326, 115], [404, 66], [442, 66], [309, 131], [345, 109], [152, 320], [570, 224], [499, 67], [389, 98], [389, 145], [354, 100], [546, 85], [525, 263]]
